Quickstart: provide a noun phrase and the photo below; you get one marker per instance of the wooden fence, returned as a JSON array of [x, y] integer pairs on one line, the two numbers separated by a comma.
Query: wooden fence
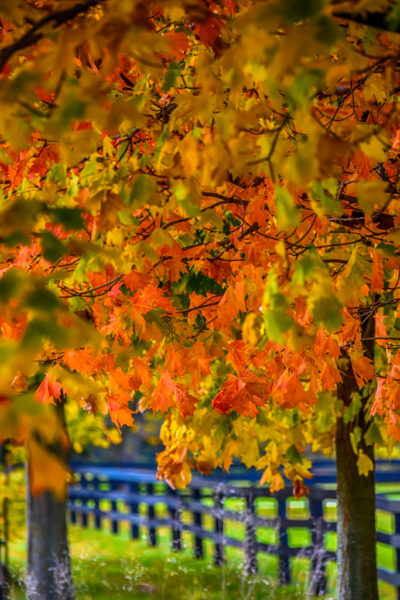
[[133, 495], [4, 549]]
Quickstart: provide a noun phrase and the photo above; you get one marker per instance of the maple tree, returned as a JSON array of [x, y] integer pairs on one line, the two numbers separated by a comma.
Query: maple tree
[[199, 216]]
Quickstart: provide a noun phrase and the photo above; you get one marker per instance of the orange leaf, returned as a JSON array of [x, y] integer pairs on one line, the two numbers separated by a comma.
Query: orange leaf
[[377, 278], [48, 391], [178, 43], [46, 471], [363, 368]]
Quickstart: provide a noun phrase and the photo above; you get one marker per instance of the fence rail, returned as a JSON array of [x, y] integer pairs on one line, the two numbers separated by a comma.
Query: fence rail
[[133, 495]]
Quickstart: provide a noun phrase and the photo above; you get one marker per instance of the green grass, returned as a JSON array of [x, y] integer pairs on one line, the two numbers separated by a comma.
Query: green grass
[[114, 567]]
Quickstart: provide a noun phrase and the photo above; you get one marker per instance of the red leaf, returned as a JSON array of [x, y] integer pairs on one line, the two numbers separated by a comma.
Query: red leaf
[[48, 391], [242, 394], [178, 43]]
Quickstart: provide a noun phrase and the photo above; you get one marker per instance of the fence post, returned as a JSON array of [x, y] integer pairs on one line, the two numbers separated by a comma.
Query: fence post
[[4, 562], [318, 556], [250, 549], [84, 515], [283, 546], [72, 511], [219, 525], [397, 531], [97, 516], [114, 507], [134, 508], [151, 513], [198, 521], [174, 511]]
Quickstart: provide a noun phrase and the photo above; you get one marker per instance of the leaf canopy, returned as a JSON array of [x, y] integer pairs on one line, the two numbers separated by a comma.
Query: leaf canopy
[[199, 211]]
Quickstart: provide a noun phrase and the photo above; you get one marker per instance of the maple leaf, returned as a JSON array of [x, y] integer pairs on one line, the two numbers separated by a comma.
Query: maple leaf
[[243, 394], [120, 413], [169, 394], [141, 371], [363, 368], [46, 471], [178, 42], [49, 391], [237, 355], [243, 231], [377, 272]]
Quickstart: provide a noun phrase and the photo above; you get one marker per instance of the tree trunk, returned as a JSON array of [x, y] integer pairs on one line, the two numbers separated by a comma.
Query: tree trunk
[[48, 570], [356, 531], [357, 575]]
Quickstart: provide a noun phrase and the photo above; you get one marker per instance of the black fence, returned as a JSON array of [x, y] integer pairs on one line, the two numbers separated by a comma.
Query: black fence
[[4, 575], [209, 506]]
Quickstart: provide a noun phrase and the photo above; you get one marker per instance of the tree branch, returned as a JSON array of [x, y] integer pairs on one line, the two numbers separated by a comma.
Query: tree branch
[[377, 20], [33, 35]]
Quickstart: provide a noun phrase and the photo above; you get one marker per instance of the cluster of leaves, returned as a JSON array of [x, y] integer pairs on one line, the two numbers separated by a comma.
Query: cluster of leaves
[[199, 215]]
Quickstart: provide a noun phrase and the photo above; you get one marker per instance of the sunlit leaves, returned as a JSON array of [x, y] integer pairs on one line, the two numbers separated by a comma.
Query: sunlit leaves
[[286, 211], [293, 11], [10, 284], [372, 195], [70, 218], [325, 193], [53, 249], [199, 209], [325, 305]]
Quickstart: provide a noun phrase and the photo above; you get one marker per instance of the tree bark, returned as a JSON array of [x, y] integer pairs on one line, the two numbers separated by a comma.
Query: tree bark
[[356, 530], [357, 575], [48, 571]]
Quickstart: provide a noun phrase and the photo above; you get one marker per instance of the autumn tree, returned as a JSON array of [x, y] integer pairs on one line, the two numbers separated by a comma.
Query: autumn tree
[[200, 217]]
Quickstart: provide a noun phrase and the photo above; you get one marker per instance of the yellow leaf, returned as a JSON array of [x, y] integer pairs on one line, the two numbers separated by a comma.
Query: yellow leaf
[[364, 464], [374, 149], [371, 195], [286, 209], [46, 471], [251, 329]]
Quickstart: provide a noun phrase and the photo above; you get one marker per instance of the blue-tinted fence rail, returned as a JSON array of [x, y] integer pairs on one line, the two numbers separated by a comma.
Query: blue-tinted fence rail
[[133, 495]]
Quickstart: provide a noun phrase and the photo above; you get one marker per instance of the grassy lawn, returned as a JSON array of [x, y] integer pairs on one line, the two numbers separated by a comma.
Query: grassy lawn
[[114, 567]]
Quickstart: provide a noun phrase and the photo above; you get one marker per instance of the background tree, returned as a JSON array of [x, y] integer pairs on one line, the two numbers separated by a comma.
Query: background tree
[[200, 204]]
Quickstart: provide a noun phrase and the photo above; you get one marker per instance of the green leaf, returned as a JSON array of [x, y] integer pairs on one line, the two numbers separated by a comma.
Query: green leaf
[[42, 299], [304, 86], [58, 174], [373, 435], [276, 323], [88, 170], [324, 304], [352, 410], [17, 238], [23, 80], [162, 138], [387, 248], [72, 109], [70, 218], [393, 18], [296, 10], [171, 76], [286, 210], [10, 284], [326, 197], [141, 190], [327, 309], [53, 249], [292, 455], [327, 31], [39, 329], [305, 268], [355, 438]]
